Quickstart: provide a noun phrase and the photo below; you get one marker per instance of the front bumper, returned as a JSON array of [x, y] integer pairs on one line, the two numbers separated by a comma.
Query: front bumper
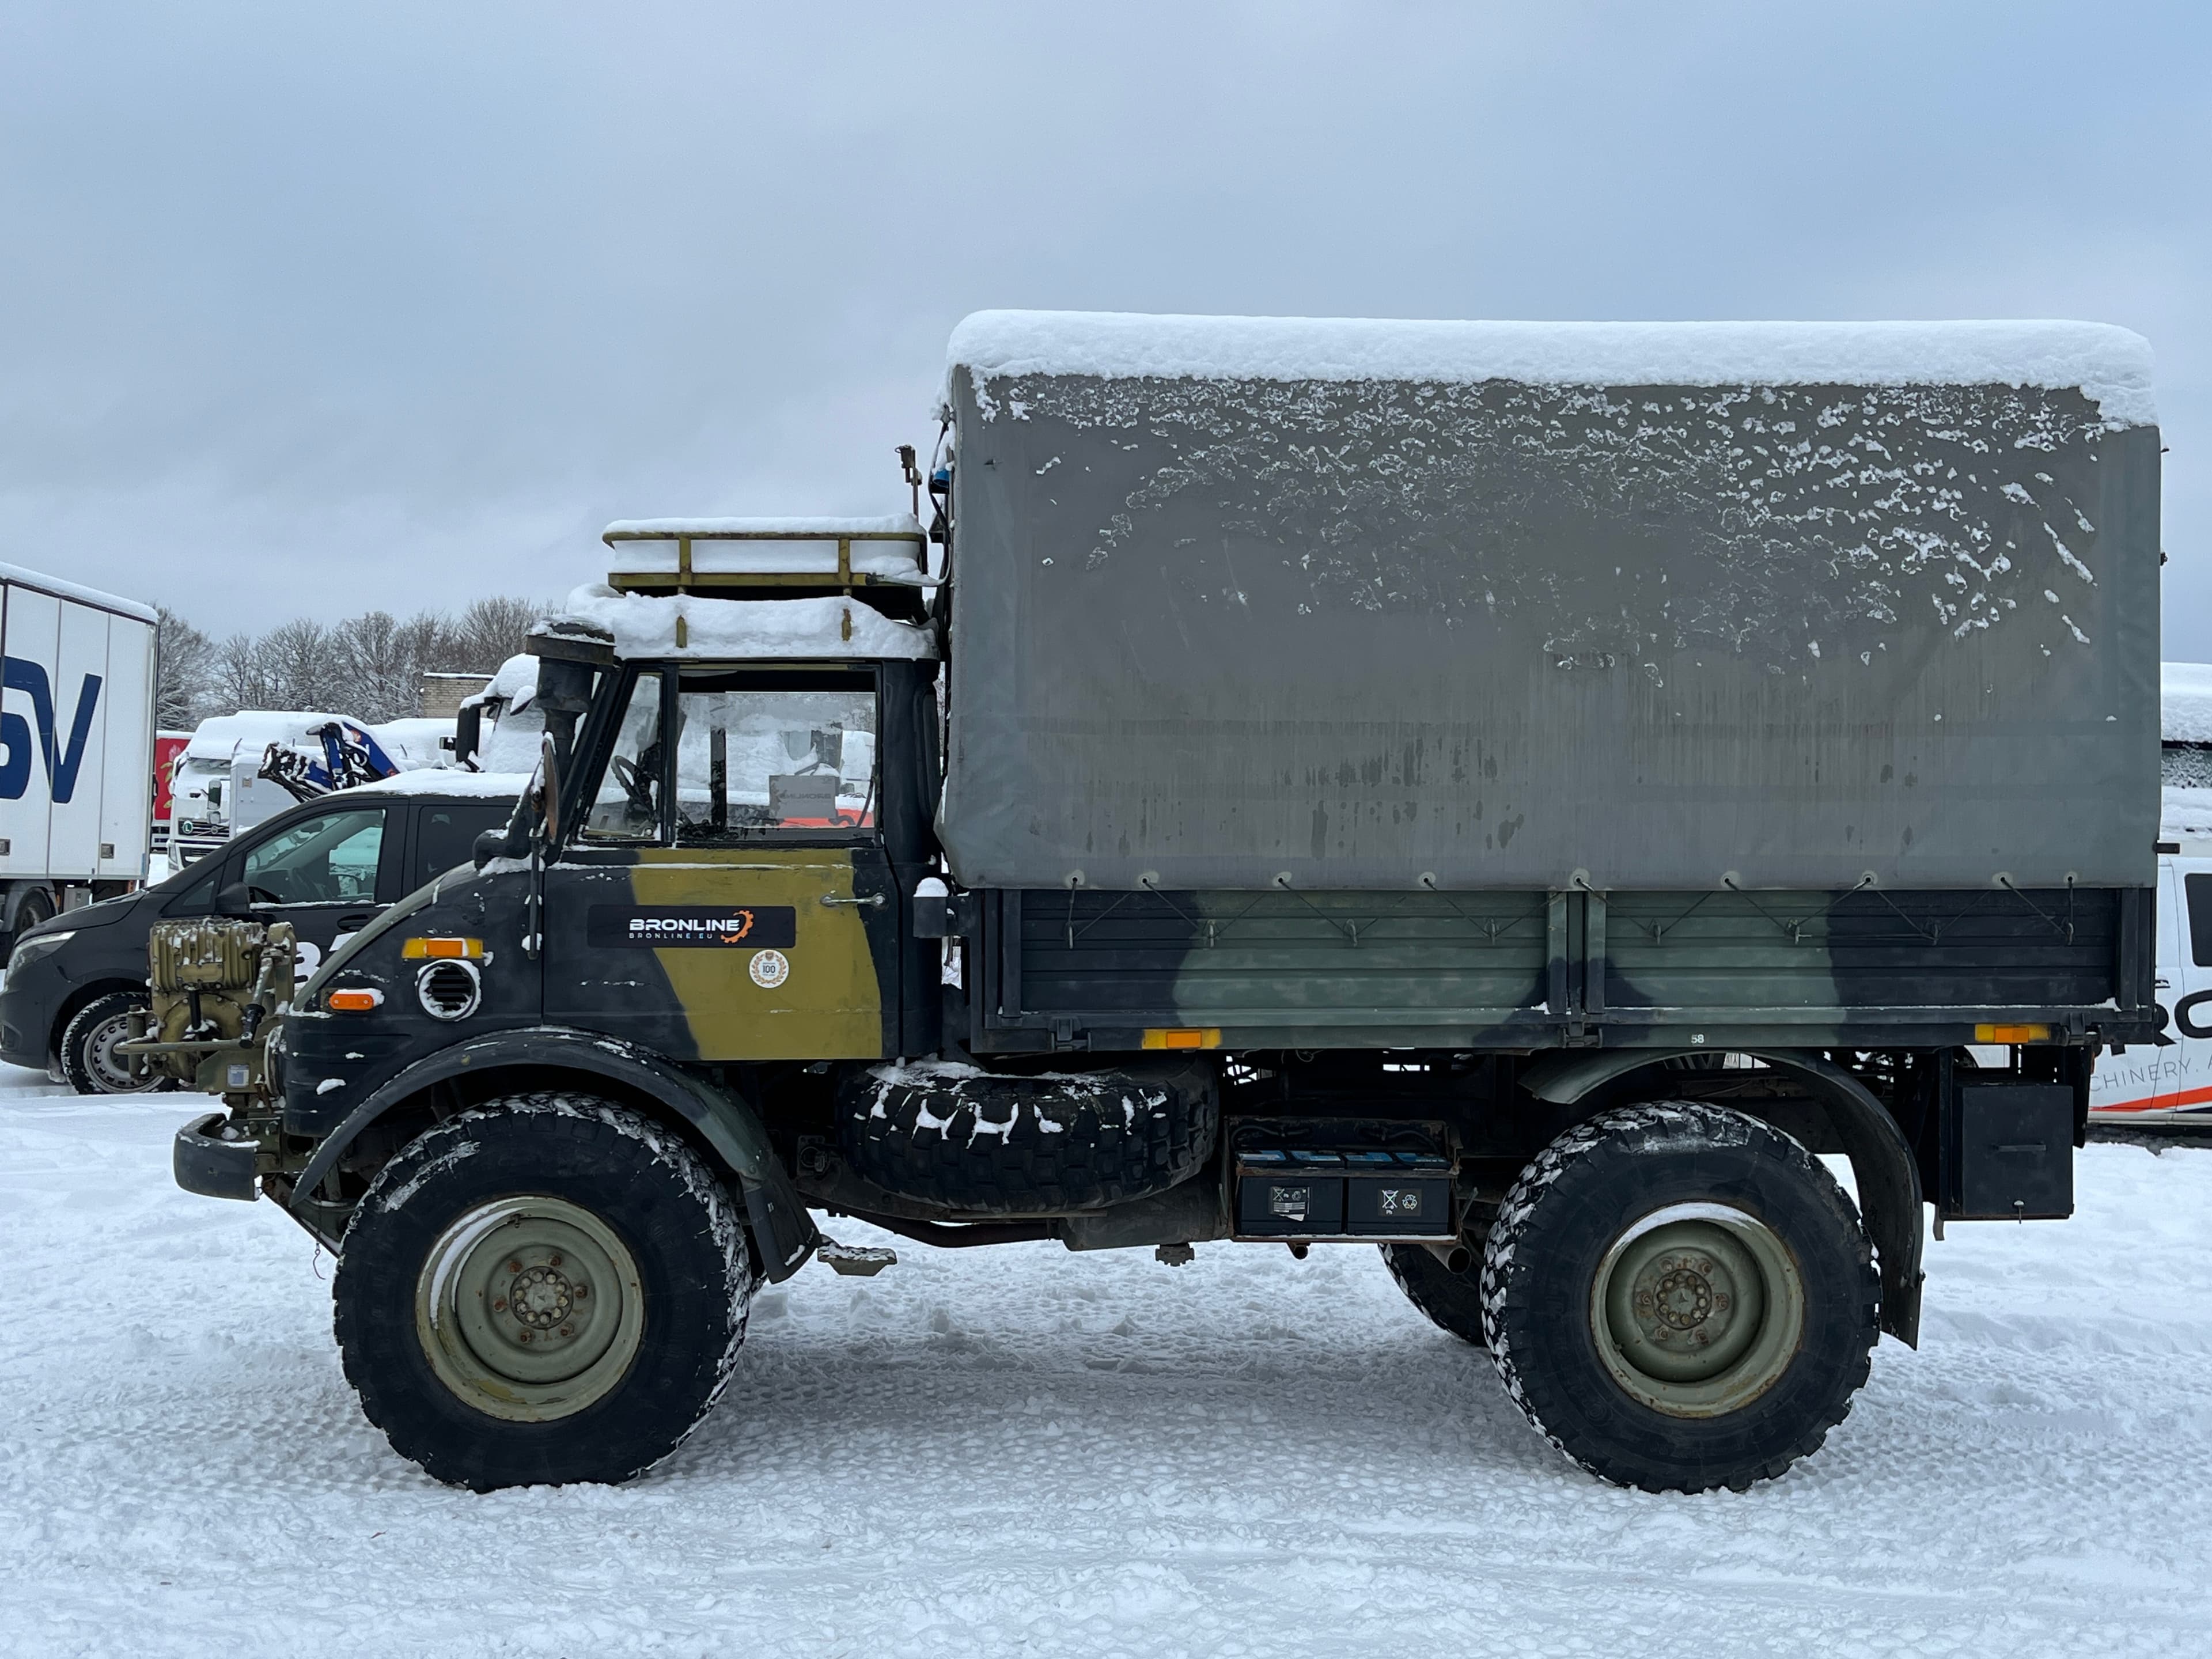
[[205, 1164]]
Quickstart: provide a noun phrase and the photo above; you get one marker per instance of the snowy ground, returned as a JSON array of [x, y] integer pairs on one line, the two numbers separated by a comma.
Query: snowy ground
[[1021, 1451]]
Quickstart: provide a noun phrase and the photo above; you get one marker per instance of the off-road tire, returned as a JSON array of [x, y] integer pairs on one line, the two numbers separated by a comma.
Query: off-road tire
[[1007, 1146], [1452, 1302], [1585, 1193], [88, 1064], [678, 1223]]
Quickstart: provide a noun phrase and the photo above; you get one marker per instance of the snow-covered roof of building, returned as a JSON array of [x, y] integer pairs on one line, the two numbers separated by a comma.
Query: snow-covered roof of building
[[897, 524], [137, 610], [2184, 696], [2109, 364], [825, 628]]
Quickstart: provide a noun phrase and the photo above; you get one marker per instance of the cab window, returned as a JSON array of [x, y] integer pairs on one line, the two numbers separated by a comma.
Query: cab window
[[627, 804], [328, 859], [783, 757], [2198, 890], [446, 835]]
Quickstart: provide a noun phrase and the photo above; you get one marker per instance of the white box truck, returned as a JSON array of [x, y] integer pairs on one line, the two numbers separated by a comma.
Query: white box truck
[[76, 745]]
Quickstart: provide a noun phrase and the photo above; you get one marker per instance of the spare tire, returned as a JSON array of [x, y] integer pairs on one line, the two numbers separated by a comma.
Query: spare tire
[[993, 1145]]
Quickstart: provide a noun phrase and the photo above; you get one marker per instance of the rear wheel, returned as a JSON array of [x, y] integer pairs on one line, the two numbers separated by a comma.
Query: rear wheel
[[1679, 1297], [549, 1289], [89, 1062]]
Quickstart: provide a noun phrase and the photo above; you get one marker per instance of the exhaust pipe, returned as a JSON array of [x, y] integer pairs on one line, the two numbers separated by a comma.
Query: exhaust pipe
[[1453, 1253]]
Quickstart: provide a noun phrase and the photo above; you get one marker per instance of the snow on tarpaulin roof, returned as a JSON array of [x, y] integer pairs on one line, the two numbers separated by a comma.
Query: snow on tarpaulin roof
[[837, 629], [2111, 365], [2186, 701]]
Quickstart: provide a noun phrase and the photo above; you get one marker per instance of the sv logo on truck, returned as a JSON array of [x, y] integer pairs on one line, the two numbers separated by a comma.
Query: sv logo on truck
[[661, 928], [63, 760]]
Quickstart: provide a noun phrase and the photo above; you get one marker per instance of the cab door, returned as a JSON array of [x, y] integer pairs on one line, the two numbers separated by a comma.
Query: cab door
[[724, 895]]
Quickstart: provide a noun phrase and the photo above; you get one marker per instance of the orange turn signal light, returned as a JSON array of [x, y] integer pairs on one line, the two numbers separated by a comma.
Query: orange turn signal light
[[418, 950], [2012, 1034], [353, 999], [1183, 1036]]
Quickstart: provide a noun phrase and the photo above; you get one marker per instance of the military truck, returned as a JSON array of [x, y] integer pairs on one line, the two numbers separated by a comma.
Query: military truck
[[1540, 799]]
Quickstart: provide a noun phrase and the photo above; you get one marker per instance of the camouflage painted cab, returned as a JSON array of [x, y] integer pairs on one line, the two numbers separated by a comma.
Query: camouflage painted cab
[[1514, 797]]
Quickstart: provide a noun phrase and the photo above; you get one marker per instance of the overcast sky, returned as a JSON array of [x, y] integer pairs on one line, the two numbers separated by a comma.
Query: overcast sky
[[316, 307]]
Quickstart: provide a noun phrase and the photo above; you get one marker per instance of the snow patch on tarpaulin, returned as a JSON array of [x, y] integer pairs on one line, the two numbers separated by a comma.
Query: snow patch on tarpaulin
[[2186, 701], [2109, 366], [643, 625]]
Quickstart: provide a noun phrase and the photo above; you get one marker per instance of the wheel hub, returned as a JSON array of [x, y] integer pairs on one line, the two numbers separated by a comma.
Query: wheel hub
[[1683, 1298], [1698, 1309], [540, 1297]]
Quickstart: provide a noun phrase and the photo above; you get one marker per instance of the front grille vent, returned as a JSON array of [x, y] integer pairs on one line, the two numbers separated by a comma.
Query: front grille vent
[[449, 990]]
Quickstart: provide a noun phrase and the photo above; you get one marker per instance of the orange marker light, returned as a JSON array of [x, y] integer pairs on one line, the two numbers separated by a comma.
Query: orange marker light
[[418, 950], [2012, 1034], [353, 999], [1183, 1036]]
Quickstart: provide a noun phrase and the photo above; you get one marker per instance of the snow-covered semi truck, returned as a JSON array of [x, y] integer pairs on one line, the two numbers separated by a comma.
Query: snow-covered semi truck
[[76, 737], [1517, 795]]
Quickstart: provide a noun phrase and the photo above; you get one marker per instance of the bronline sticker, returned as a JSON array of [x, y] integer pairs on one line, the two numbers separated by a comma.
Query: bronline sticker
[[769, 968]]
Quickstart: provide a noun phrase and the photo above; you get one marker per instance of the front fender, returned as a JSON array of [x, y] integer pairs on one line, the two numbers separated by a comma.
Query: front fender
[[782, 1231]]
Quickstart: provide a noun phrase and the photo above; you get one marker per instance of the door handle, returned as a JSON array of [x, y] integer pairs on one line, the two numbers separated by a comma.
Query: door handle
[[874, 901], [357, 922]]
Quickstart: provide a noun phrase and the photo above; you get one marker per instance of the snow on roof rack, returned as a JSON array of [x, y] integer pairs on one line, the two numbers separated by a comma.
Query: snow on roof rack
[[788, 557]]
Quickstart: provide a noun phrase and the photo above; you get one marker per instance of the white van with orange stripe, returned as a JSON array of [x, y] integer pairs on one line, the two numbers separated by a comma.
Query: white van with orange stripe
[[2172, 1079]]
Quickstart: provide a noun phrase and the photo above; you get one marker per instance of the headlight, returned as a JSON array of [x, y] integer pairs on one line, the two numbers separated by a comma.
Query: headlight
[[28, 950]]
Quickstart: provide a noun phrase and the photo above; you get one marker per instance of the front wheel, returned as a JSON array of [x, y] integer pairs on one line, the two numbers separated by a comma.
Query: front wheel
[[548, 1289], [1679, 1297]]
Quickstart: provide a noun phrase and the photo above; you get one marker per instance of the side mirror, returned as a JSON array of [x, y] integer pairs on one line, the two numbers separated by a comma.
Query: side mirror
[[235, 900], [468, 736]]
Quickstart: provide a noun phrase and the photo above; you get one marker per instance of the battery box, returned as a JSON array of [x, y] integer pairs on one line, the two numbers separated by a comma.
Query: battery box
[[2008, 1153], [1320, 1180]]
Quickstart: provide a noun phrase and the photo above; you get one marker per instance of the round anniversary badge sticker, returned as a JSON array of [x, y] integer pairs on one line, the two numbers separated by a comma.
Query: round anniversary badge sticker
[[769, 968]]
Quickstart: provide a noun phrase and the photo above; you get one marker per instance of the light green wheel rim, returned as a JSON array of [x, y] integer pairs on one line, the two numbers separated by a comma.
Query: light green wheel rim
[[529, 1309], [1698, 1309]]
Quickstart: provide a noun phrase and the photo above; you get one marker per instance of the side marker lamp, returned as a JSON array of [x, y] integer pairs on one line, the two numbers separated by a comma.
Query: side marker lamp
[[1183, 1036], [2012, 1034], [424, 949], [353, 999]]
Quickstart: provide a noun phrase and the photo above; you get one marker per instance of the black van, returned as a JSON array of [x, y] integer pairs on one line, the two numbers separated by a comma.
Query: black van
[[327, 867]]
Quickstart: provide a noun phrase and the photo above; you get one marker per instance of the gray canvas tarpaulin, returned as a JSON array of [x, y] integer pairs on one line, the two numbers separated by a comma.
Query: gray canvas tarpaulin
[[1341, 606]]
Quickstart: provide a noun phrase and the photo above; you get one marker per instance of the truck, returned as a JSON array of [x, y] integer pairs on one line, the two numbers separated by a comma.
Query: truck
[[239, 771], [77, 733], [2165, 1086], [1628, 819]]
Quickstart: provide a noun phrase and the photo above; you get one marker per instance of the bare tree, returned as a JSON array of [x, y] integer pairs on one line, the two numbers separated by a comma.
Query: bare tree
[[239, 680], [185, 684], [490, 631], [295, 657], [379, 664], [369, 666]]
